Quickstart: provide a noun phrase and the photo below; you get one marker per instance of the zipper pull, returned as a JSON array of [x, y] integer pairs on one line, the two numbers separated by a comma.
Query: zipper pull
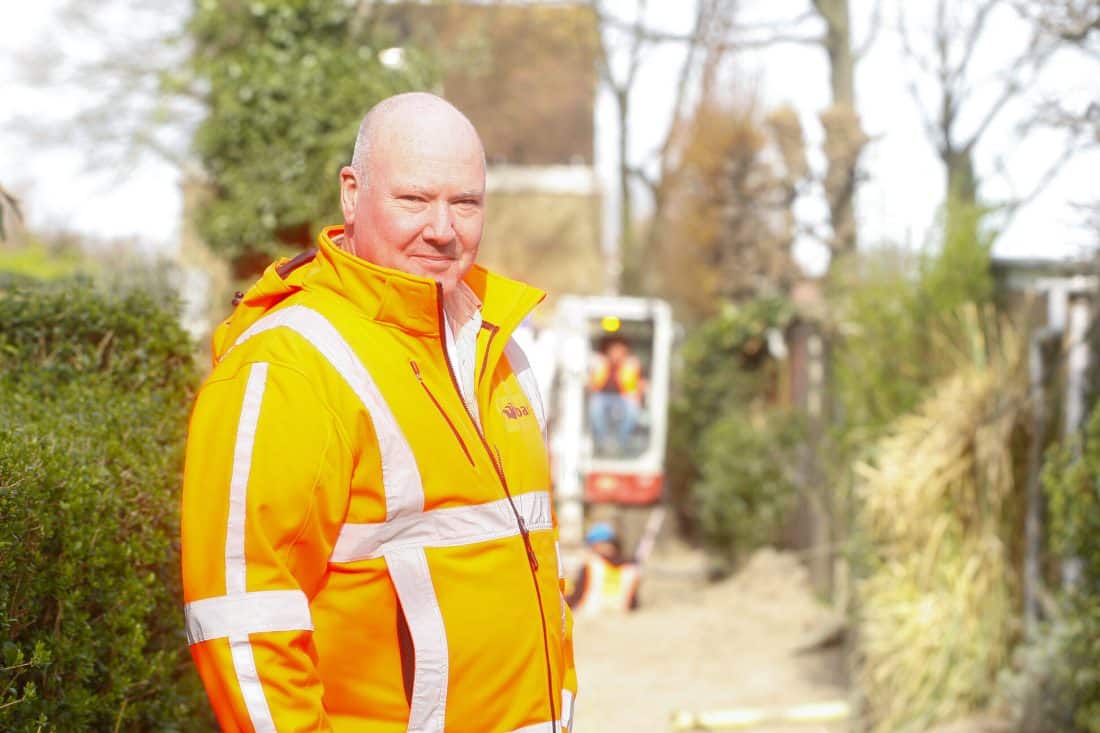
[[416, 371], [527, 543], [522, 524]]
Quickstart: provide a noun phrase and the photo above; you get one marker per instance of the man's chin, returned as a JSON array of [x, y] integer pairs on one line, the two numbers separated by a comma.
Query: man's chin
[[449, 283]]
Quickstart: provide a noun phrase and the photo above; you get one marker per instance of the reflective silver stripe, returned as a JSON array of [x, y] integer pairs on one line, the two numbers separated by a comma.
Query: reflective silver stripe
[[244, 663], [400, 476], [252, 690], [238, 482], [408, 568], [567, 700], [525, 375], [242, 614], [448, 527], [592, 598]]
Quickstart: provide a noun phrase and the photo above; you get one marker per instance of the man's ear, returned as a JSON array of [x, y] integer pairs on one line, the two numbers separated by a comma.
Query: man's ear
[[349, 193]]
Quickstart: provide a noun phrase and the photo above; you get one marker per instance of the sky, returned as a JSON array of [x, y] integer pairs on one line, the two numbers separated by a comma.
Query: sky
[[139, 200]]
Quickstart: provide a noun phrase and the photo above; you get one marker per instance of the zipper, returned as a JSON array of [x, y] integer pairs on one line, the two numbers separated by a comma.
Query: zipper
[[493, 331], [451, 425], [498, 465]]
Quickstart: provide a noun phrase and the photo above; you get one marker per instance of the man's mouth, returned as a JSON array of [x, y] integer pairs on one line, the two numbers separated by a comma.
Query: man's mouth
[[434, 262]]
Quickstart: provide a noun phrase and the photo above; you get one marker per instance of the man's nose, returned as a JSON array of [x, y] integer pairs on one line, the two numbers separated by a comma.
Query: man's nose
[[440, 229]]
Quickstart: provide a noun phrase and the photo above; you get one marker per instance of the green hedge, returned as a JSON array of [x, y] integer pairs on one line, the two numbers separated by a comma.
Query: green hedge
[[730, 449], [747, 487], [1071, 477], [96, 389]]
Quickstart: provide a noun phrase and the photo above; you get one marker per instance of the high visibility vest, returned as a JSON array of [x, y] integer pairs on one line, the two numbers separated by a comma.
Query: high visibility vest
[[359, 553], [628, 375], [608, 587]]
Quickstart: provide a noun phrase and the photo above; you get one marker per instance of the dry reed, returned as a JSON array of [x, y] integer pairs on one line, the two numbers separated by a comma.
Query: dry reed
[[937, 510]]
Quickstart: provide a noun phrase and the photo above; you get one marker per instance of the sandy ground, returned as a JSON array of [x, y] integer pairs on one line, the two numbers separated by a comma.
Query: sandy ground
[[701, 647]]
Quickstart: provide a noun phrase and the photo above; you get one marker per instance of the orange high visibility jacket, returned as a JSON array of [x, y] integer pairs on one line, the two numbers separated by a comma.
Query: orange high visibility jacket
[[359, 554], [608, 587], [628, 375]]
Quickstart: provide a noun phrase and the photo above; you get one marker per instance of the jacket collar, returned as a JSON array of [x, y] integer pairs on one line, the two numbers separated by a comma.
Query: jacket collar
[[410, 302]]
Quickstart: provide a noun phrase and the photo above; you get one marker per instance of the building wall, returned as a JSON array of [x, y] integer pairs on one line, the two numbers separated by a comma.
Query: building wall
[[550, 240], [525, 74]]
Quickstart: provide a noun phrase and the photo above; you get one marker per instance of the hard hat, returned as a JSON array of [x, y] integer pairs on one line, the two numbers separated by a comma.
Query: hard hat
[[599, 532]]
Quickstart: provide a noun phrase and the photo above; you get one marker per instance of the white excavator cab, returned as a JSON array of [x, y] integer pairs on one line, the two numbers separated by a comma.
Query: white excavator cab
[[609, 404]]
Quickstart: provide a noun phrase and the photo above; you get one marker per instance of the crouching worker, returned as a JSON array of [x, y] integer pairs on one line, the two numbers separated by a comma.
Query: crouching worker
[[607, 582]]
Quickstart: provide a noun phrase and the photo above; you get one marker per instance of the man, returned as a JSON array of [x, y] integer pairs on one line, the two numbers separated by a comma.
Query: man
[[614, 401], [607, 582], [368, 540]]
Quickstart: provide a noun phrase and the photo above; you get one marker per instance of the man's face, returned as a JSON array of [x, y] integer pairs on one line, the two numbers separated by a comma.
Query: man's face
[[607, 550], [422, 208]]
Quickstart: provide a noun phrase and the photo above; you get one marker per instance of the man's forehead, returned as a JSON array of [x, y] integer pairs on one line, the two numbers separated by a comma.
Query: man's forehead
[[431, 165]]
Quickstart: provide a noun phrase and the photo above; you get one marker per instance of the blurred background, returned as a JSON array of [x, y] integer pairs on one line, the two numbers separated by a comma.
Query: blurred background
[[819, 350]]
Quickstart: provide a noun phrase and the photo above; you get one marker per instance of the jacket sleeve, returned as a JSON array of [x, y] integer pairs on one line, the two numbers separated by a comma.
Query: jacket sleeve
[[265, 490]]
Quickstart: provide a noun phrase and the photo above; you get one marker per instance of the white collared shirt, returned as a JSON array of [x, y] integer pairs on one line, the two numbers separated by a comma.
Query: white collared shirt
[[462, 351]]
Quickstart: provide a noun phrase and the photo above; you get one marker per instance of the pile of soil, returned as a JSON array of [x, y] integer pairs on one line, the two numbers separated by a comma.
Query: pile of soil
[[698, 646]]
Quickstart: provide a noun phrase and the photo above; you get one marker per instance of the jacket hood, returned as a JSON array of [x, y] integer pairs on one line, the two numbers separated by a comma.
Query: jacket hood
[[275, 285], [390, 296]]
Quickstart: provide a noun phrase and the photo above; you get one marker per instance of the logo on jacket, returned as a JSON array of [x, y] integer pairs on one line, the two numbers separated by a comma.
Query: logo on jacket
[[514, 412]]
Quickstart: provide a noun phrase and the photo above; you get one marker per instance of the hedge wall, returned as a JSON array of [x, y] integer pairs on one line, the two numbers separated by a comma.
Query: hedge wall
[[94, 393]]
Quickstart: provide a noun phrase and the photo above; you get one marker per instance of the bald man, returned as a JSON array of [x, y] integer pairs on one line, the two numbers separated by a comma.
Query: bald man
[[368, 535]]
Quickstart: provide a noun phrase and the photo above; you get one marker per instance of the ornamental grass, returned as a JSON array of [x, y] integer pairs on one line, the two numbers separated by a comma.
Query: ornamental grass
[[939, 512]]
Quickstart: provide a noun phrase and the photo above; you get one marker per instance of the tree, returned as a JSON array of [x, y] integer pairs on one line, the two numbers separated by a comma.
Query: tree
[[257, 100], [716, 35], [9, 210], [631, 41], [945, 66], [844, 135], [728, 226], [127, 94], [279, 81], [1076, 25]]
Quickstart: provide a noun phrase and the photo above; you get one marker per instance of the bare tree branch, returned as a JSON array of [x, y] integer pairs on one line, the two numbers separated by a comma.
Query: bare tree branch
[[1013, 205], [872, 33], [652, 35], [971, 43], [931, 128], [1013, 86]]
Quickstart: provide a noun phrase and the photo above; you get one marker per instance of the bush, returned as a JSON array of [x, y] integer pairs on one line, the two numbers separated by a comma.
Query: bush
[[1066, 660], [722, 469], [96, 392], [746, 488], [891, 310]]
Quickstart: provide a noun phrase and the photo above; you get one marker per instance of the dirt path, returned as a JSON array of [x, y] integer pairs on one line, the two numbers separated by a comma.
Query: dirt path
[[700, 647]]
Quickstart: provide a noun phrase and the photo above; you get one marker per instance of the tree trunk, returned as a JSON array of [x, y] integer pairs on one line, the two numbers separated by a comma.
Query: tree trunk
[[626, 272], [844, 142], [962, 195], [962, 184]]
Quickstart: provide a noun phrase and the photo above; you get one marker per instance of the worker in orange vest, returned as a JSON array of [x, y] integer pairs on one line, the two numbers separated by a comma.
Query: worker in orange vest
[[607, 582], [616, 387], [368, 538]]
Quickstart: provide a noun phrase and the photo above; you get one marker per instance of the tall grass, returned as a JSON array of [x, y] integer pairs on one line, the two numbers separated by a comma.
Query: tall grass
[[938, 514]]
